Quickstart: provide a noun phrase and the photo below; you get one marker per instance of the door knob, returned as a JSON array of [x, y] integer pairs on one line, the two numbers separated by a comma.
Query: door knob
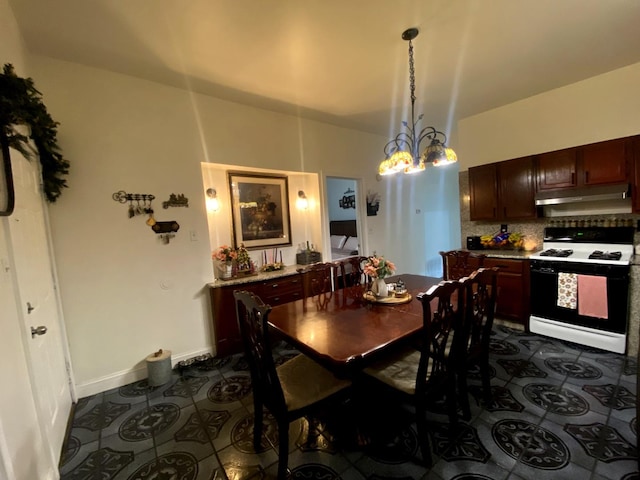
[[41, 330]]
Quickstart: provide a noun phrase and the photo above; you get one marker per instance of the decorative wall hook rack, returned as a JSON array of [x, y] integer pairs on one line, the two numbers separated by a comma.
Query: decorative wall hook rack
[[176, 201], [166, 230], [135, 205]]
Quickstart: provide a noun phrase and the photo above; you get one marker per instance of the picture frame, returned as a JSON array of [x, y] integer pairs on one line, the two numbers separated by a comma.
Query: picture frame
[[259, 210], [7, 196]]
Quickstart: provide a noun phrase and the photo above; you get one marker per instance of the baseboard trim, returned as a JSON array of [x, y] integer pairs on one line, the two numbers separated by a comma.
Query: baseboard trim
[[125, 377]]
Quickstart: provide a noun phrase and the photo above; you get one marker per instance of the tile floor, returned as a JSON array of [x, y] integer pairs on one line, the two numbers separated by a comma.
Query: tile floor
[[560, 411]]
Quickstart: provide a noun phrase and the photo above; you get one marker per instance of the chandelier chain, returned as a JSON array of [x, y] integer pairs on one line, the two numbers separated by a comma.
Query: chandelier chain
[[412, 74]]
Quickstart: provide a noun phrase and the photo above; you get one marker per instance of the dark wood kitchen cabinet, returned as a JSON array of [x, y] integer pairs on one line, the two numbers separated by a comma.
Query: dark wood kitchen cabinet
[[635, 148], [513, 288], [558, 169], [483, 192], [601, 163], [606, 162], [502, 190], [275, 289]]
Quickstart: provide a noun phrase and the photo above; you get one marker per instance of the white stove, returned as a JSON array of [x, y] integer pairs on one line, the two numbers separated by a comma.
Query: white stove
[[580, 286], [599, 253]]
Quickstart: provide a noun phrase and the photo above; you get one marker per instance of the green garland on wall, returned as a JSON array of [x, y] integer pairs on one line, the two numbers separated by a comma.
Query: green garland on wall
[[21, 104]]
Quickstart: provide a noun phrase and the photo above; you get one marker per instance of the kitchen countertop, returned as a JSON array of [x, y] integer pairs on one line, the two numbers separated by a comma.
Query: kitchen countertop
[[512, 254]]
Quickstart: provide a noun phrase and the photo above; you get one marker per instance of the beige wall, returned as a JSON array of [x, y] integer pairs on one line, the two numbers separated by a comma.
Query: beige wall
[[596, 109], [125, 293]]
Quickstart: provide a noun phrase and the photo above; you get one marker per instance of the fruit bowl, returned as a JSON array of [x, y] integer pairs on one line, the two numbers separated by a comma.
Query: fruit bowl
[[503, 241]]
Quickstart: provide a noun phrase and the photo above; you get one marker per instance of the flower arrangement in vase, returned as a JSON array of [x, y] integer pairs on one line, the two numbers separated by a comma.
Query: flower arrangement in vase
[[377, 267], [224, 255]]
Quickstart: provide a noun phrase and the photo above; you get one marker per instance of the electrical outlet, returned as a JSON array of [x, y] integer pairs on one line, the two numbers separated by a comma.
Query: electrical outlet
[[193, 235]]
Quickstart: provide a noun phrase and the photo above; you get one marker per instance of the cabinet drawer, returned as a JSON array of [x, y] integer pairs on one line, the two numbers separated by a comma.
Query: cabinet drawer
[[278, 298], [281, 290], [505, 265]]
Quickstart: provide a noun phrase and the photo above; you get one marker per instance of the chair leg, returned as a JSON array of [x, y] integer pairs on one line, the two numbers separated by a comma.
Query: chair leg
[[257, 426], [283, 449], [423, 435], [452, 405], [486, 380], [464, 394]]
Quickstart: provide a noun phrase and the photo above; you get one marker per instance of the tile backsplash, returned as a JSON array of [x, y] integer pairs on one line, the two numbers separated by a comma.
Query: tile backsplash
[[533, 230]]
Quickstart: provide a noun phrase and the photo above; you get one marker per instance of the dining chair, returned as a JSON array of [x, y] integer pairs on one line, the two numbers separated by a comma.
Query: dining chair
[[457, 264], [318, 278], [427, 371], [288, 391], [480, 290], [350, 272]]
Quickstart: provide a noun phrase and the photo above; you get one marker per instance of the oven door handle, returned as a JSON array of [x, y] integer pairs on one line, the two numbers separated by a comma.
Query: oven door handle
[[545, 270]]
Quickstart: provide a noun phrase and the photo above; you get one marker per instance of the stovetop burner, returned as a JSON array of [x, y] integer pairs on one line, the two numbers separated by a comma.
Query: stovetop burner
[[600, 255], [552, 252]]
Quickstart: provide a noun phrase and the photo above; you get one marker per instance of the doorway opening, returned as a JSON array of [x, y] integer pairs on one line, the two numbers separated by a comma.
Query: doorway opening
[[343, 207]]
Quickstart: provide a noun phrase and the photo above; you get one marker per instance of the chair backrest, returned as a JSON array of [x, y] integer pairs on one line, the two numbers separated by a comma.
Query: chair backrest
[[457, 264], [318, 278], [351, 272], [480, 303], [442, 342], [252, 315]]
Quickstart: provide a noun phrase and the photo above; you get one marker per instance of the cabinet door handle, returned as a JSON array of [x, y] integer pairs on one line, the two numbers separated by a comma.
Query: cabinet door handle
[[494, 211], [586, 177], [504, 212], [275, 285], [276, 299], [573, 177]]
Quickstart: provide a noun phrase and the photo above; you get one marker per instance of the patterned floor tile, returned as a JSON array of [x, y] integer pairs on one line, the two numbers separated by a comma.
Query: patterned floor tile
[[559, 410], [240, 465], [469, 470]]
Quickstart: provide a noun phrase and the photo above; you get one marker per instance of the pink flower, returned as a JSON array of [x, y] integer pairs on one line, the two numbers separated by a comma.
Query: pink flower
[[377, 267], [224, 253]]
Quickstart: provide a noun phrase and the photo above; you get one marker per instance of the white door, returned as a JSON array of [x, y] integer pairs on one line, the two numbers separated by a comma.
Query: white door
[[39, 306]]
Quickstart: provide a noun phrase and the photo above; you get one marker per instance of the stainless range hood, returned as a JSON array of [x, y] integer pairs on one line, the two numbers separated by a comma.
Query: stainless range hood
[[585, 194]]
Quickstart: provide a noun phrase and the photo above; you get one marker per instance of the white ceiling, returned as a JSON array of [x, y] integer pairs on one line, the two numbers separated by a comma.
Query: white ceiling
[[343, 61]]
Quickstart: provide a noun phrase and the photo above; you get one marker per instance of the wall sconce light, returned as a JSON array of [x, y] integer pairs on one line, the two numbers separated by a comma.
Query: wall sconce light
[[302, 203], [213, 204]]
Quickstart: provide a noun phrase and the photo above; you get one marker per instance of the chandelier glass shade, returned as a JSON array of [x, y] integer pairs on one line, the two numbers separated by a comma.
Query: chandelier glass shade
[[403, 153]]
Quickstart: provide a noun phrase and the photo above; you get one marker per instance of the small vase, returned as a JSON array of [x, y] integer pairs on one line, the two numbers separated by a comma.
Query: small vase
[[379, 287], [225, 270]]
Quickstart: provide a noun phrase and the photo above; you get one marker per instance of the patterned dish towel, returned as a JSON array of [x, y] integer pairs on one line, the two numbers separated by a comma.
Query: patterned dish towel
[[567, 290]]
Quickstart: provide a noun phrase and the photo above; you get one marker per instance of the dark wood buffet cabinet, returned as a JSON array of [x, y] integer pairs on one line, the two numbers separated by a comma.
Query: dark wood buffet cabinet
[[273, 288], [506, 190]]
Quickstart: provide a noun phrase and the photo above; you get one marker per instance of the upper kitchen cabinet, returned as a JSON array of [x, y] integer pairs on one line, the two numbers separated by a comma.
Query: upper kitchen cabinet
[[599, 163], [503, 190], [605, 162], [557, 169], [483, 192], [635, 149]]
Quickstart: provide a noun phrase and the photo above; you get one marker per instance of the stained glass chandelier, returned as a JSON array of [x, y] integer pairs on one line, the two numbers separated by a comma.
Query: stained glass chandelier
[[402, 154]]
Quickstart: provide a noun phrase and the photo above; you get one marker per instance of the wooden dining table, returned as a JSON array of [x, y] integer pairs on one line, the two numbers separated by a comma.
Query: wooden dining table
[[343, 331]]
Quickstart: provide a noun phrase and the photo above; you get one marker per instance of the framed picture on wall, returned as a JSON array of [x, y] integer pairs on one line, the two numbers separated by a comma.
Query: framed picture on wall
[[6, 180], [259, 210]]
